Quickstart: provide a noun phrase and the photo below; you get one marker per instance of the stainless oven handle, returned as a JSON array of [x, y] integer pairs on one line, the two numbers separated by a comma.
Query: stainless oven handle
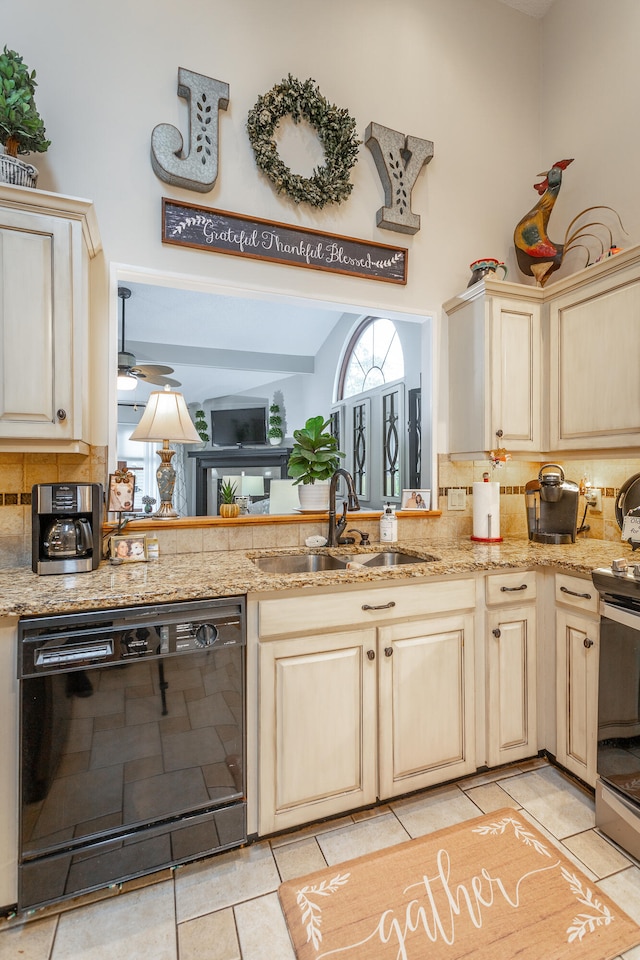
[[627, 619]]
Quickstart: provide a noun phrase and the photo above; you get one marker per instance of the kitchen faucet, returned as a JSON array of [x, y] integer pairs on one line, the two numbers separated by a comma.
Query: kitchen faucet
[[336, 527]]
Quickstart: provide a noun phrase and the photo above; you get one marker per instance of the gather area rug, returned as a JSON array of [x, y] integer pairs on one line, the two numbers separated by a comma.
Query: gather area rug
[[492, 888]]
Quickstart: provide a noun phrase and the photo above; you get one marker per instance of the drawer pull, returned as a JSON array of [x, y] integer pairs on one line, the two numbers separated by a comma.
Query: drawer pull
[[572, 593], [497, 634], [523, 586], [388, 651], [588, 643], [380, 606], [371, 654]]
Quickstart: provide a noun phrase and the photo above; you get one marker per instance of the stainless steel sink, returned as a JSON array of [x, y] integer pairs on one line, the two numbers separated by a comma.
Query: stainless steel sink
[[299, 563], [391, 558], [315, 562]]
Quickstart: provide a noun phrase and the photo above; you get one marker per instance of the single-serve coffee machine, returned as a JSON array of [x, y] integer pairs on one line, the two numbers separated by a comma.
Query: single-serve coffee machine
[[552, 506], [66, 520]]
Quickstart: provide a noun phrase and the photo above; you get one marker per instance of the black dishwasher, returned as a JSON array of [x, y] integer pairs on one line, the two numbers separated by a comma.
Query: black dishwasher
[[132, 743]]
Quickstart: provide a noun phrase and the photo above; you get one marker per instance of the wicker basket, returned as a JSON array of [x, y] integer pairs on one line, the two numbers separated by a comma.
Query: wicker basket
[[17, 172]]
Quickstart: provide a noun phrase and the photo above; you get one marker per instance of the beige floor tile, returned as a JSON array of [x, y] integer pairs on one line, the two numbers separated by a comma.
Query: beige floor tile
[[558, 844], [298, 859], [262, 930], [224, 880], [358, 839], [491, 796], [624, 889], [313, 830], [212, 936], [139, 924], [370, 814], [562, 807], [600, 856], [434, 810], [28, 941]]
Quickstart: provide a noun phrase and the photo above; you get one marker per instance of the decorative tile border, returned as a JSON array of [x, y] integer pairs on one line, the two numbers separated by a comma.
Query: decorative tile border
[[15, 499]]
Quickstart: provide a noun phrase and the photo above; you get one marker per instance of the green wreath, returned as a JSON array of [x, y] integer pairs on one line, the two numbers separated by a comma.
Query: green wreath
[[336, 132]]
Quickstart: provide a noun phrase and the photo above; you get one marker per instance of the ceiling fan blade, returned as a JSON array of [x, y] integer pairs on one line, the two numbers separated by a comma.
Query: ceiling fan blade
[[146, 370], [162, 381]]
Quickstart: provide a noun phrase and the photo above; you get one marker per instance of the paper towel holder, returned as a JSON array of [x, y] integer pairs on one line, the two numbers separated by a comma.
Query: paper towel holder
[[491, 521]]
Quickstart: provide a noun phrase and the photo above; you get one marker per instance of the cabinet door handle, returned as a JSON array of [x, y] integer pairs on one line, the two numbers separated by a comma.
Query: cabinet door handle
[[497, 634], [371, 654], [388, 651], [572, 593], [61, 414], [499, 433], [380, 606], [588, 643], [523, 586]]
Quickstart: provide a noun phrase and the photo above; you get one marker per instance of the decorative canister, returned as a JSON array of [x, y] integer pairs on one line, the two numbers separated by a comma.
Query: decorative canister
[[481, 268]]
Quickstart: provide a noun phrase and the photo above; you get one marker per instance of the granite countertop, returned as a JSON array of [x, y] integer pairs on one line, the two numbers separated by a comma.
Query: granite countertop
[[200, 576]]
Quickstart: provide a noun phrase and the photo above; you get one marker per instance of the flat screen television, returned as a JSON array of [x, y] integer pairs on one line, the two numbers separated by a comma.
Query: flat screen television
[[242, 425]]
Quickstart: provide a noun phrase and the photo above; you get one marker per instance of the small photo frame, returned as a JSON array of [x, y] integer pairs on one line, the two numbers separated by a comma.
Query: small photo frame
[[416, 500], [121, 487], [129, 549]]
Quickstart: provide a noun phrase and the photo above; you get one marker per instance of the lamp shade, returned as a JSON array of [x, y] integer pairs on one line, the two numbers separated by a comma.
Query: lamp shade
[[166, 418]]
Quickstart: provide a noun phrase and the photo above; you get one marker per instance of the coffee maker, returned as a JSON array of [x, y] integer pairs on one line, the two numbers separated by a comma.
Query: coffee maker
[[552, 506], [66, 521]]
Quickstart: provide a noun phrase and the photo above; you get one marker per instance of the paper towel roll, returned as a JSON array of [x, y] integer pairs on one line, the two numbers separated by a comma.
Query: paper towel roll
[[486, 511]]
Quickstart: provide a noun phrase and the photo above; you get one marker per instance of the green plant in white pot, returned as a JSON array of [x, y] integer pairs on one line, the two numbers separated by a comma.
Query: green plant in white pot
[[21, 127], [313, 460]]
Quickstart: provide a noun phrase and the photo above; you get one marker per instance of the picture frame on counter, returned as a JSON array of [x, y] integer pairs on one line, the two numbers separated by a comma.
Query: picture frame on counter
[[416, 500], [120, 492], [128, 549]]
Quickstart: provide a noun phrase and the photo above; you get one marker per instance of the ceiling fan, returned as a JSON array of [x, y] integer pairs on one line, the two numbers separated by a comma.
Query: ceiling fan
[[129, 372]]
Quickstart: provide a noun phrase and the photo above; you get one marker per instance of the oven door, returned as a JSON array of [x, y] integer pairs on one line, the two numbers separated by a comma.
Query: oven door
[[619, 701]]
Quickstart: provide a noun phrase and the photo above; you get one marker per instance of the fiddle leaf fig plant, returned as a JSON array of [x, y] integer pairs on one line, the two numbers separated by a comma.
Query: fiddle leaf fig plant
[[314, 455], [21, 127]]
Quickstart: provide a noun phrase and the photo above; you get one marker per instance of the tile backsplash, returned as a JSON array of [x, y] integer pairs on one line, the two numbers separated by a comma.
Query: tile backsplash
[[18, 472]]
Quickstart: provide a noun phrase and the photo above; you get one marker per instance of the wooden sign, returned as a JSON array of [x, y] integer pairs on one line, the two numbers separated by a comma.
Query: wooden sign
[[189, 225]]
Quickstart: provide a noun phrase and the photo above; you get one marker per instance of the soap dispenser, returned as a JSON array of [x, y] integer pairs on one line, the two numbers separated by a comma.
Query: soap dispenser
[[388, 525]]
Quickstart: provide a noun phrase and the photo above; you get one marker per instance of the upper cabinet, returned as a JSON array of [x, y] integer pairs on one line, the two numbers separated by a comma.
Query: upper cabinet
[[581, 392], [495, 369], [46, 244], [594, 326]]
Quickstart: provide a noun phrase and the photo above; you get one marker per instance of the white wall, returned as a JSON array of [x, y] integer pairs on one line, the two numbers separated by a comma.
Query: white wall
[[501, 94]]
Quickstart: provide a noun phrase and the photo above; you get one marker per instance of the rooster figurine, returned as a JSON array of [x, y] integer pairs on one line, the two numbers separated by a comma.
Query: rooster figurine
[[537, 255]]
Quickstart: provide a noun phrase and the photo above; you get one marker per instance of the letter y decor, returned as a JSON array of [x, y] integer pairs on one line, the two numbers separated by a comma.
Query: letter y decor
[[399, 160], [198, 169]]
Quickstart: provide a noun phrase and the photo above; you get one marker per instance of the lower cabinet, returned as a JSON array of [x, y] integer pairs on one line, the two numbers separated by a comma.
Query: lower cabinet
[[577, 651], [510, 651], [368, 713], [318, 756], [511, 685]]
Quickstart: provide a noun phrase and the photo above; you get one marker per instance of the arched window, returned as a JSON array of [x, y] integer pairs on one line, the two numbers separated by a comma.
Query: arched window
[[373, 357]]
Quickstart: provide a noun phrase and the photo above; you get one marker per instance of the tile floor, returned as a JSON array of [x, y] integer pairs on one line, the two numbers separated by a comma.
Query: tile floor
[[227, 908]]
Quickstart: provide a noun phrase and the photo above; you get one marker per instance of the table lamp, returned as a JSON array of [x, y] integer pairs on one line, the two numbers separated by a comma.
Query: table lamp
[[166, 419]]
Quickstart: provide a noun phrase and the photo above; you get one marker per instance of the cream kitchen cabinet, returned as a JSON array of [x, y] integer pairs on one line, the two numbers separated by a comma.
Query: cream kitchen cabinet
[[577, 646], [381, 708], [495, 369], [510, 650], [46, 243], [595, 345]]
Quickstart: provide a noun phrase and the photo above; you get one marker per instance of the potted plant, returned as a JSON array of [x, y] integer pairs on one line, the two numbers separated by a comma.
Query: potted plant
[[313, 461], [275, 425], [200, 424], [228, 506], [21, 127]]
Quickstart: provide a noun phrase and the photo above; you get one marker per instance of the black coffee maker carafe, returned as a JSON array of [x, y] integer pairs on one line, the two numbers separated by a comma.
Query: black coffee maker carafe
[[66, 521]]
